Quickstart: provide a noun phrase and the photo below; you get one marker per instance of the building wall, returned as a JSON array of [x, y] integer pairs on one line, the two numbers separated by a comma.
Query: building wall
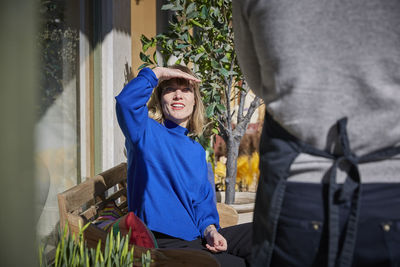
[[143, 22], [116, 59]]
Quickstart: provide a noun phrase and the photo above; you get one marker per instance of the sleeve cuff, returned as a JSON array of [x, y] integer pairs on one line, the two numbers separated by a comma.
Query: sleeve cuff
[[149, 75], [204, 225]]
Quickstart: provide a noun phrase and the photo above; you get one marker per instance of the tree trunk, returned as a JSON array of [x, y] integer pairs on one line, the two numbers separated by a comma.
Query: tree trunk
[[232, 150]]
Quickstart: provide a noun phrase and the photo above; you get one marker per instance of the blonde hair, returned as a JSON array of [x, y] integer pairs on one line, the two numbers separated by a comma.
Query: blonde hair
[[196, 121]]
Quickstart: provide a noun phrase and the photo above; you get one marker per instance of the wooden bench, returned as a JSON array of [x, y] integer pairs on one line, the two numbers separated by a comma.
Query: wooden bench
[[81, 204]]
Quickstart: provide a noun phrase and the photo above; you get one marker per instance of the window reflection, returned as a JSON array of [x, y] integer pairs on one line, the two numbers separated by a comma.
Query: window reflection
[[56, 132]]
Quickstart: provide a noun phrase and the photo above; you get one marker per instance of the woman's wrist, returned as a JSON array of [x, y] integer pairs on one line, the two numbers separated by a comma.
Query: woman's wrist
[[157, 71], [209, 229]]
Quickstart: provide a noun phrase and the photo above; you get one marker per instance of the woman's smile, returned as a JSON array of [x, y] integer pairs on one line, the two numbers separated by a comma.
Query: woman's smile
[[178, 106]]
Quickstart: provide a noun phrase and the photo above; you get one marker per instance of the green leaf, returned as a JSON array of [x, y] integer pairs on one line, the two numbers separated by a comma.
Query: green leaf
[[215, 85], [214, 77], [146, 46], [184, 37], [160, 37], [155, 58], [101, 259], [215, 11], [192, 21], [66, 231], [115, 261], [177, 53], [40, 255], [178, 61], [70, 250], [210, 110], [145, 58], [214, 64], [133, 247], [224, 59], [221, 108], [144, 39], [177, 8], [98, 252], [125, 249], [228, 47], [84, 228], [64, 252], [74, 250], [143, 66], [215, 131], [169, 42], [204, 12], [110, 250], [182, 46], [197, 57], [191, 7], [223, 72], [57, 254], [118, 241], [193, 14], [167, 7], [218, 50], [148, 258]]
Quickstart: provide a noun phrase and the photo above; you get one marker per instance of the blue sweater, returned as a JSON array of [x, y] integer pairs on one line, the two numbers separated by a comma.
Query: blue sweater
[[167, 171]]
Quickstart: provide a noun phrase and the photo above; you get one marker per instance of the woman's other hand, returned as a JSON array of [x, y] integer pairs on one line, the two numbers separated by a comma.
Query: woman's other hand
[[215, 241]]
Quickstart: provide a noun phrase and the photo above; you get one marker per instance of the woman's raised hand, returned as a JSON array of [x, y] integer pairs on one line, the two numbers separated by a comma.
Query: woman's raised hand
[[169, 73]]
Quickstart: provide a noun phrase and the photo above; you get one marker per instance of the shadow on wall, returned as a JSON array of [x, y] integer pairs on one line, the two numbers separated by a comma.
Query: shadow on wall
[[128, 74]]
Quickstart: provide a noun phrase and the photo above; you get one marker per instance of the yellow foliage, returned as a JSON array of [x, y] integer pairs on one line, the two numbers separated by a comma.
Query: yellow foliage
[[247, 172], [219, 174], [220, 169], [243, 170], [254, 163]]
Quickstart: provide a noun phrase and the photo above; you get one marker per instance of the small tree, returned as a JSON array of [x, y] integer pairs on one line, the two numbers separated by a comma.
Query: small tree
[[200, 33]]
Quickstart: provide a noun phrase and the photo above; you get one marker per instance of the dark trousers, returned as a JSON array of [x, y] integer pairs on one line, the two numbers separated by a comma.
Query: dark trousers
[[238, 238], [301, 238]]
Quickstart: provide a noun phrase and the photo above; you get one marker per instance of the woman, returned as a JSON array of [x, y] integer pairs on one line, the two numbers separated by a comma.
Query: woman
[[167, 172]]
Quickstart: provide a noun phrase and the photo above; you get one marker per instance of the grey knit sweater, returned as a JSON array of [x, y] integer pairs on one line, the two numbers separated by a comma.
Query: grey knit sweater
[[316, 61]]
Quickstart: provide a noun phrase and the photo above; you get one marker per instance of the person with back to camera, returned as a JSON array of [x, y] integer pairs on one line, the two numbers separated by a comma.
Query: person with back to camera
[[168, 186], [329, 73]]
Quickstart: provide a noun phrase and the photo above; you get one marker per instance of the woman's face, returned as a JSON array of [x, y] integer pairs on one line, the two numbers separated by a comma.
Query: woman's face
[[177, 101]]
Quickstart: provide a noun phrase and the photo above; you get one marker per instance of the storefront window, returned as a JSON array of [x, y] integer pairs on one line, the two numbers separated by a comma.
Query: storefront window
[[57, 131]]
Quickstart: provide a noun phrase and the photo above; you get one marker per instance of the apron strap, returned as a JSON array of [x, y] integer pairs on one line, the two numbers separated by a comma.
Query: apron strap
[[351, 192]]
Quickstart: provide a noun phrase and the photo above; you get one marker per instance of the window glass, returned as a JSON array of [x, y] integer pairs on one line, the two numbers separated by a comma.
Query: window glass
[[56, 130]]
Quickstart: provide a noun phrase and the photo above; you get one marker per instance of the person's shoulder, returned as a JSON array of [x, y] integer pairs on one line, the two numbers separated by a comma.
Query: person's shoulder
[[198, 146], [158, 126]]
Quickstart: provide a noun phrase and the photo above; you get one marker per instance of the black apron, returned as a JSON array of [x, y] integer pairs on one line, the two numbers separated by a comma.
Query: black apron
[[278, 150]]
